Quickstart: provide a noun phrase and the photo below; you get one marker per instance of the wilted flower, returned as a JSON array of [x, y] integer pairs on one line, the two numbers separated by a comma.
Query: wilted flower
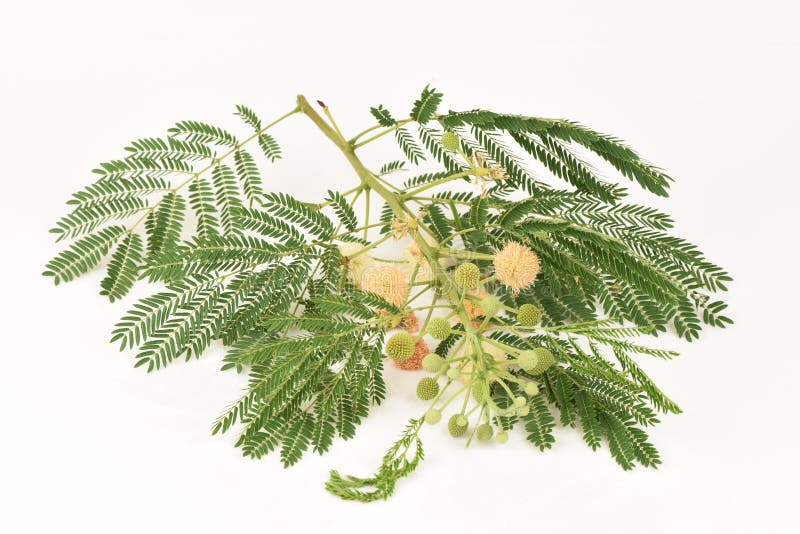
[[415, 361]]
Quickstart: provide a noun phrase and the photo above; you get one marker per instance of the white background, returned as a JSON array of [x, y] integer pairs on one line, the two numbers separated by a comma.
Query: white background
[[708, 90]]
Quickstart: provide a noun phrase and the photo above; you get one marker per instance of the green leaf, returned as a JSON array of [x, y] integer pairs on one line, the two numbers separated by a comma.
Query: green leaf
[[410, 147], [227, 195], [269, 146], [123, 269], [163, 226], [247, 171], [540, 423], [200, 132], [292, 210], [343, 210], [426, 105], [383, 116], [82, 255]]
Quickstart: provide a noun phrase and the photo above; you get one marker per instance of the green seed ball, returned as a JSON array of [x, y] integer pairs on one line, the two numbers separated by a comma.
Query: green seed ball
[[450, 141], [432, 362], [456, 429], [528, 359], [523, 411], [529, 315], [484, 432], [519, 402], [546, 359], [531, 389], [461, 420], [400, 346], [490, 305], [433, 416], [427, 388], [438, 328], [502, 437], [453, 373], [467, 276], [480, 392]]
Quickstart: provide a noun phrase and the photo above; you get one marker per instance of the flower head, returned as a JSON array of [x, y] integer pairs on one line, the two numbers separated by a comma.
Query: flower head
[[516, 266], [387, 282]]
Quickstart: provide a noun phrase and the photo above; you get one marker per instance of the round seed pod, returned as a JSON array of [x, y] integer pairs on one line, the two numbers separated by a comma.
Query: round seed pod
[[432, 362], [529, 315], [490, 305], [467, 276], [455, 427], [523, 411], [484, 432], [433, 416], [531, 389], [438, 328], [450, 140], [502, 437], [546, 359], [453, 373], [400, 346], [528, 360], [519, 402], [427, 388]]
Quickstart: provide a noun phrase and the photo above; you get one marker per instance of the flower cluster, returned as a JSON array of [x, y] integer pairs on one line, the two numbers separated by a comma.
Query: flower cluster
[[479, 365]]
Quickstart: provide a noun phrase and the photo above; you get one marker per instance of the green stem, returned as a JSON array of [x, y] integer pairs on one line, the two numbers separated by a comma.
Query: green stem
[[434, 183], [368, 179], [366, 214], [399, 124]]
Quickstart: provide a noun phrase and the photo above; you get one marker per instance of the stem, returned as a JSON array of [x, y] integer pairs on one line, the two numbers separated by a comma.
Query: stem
[[366, 214], [368, 179], [440, 181], [399, 124]]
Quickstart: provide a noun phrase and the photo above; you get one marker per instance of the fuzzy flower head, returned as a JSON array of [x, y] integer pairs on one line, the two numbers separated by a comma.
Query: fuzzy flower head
[[386, 281], [516, 266]]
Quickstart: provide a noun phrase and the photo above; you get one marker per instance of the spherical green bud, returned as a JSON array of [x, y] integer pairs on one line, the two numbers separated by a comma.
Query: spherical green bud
[[531, 389], [502, 437], [450, 140], [433, 416], [461, 419], [484, 432], [427, 388], [490, 305], [527, 359], [546, 359], [523, 411], [455, 427], [432, 362], [520, 402], [438, 328], [453, 373], [480, 392], [400, 346], [529, 315], [467, 276]]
